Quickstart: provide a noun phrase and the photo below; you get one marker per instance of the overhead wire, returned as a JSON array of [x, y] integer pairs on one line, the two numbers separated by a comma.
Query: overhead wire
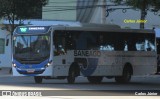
[[65, 8], [51, 8], [69, 1]]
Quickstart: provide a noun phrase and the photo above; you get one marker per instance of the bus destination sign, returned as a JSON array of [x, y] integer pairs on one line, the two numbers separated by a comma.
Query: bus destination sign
[[32, 29]]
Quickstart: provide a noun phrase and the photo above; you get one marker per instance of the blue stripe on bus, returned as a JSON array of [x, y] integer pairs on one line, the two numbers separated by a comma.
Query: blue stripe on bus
[[39, 68], [91, 67]]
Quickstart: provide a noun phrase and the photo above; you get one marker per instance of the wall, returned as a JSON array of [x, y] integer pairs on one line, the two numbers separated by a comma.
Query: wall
[[5, 59], [60, 10]]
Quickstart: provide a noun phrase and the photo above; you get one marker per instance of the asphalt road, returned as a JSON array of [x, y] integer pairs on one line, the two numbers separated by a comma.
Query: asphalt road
[[55, 88], [27, 83]]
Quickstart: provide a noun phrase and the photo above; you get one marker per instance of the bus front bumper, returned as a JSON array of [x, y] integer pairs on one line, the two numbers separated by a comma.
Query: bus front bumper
[[31, 71]]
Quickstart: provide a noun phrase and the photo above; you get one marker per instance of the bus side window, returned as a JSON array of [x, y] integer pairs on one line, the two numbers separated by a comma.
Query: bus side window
[[59, 43], [145, 43], [158, 45], [70, 43], [131, 45], [105, 41], [119, 43]]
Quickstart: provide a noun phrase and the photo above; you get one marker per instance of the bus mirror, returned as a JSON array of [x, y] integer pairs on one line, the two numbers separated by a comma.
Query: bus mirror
[[7, 42]]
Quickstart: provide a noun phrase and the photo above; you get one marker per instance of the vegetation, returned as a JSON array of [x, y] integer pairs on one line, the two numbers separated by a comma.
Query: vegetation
[[20, 9]]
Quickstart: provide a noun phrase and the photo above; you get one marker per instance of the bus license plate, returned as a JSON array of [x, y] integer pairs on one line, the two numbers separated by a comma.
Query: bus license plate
[[30, 70]]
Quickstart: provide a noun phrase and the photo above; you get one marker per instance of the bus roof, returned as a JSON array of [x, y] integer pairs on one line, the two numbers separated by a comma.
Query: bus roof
[[89, 27], [109, 29], [157, 33], [102, 28]]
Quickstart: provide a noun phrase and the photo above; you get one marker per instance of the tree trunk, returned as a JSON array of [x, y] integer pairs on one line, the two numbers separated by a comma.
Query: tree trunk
[[142, 18], [103, 12], [143, 14]]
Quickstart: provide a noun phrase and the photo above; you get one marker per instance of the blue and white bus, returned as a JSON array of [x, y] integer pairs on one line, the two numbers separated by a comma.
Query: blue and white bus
[[90, 50], [158, 49]]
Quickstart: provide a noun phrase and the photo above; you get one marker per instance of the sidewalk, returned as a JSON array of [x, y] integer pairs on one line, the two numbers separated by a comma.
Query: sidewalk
[[5, 71]]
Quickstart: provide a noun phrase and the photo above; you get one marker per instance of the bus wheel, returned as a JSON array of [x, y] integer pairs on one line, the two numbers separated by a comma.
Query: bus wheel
[[38, 79], [71, 76], [95, 79], [126, 77]]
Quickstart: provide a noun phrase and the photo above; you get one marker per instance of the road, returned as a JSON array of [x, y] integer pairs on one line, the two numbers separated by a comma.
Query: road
[[82, 87], [27, 83]]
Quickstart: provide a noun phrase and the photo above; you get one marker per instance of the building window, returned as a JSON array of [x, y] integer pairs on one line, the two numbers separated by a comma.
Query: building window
[[2, 45]]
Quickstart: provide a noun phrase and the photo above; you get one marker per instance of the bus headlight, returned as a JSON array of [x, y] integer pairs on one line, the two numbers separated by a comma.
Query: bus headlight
[[49, 63], [13, 64]]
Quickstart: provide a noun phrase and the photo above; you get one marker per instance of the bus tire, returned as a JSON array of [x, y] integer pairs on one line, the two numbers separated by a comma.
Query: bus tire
[[126, 77], [71, 77], [95, 79], [38, 79]]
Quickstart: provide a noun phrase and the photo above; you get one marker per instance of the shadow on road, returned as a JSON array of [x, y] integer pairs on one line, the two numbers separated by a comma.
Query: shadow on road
[[80, 84]]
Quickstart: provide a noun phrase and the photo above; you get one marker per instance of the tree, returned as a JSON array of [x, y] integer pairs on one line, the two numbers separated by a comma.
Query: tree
[[143, 5], [20, 9]]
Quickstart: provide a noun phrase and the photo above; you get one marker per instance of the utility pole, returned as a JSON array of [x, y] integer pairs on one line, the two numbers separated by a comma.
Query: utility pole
[[103, 17]]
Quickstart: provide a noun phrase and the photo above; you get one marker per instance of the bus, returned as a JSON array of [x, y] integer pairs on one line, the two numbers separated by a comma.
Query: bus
[[90, 50], [157, 31]]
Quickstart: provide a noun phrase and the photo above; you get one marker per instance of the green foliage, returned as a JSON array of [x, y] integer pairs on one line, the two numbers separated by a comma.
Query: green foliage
[[156, 4], [139, 3], [20, 9]]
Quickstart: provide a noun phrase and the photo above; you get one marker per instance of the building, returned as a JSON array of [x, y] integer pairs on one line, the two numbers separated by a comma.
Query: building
[[60, 10], [91, 11], [86, 11], [95, 11], [5, 50]]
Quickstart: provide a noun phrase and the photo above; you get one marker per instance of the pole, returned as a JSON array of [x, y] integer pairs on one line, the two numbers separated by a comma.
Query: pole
[[103, 20]]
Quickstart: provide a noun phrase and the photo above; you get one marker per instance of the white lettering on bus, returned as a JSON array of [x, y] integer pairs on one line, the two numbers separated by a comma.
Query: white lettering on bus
[[36, 28], [86, 53]]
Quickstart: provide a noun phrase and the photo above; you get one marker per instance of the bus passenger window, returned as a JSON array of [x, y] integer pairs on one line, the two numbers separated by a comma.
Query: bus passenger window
[[149, 46], [158, 45], [105, 42], [81, 42], [59, 43], [131, 46], [119, 44], [145, 45], [70, 41]]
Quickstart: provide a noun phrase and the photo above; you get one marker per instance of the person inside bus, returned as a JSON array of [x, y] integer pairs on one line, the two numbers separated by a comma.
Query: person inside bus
[[59, 44]]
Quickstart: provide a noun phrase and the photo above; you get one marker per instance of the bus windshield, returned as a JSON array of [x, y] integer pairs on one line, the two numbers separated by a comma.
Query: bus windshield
[[31, 47]]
